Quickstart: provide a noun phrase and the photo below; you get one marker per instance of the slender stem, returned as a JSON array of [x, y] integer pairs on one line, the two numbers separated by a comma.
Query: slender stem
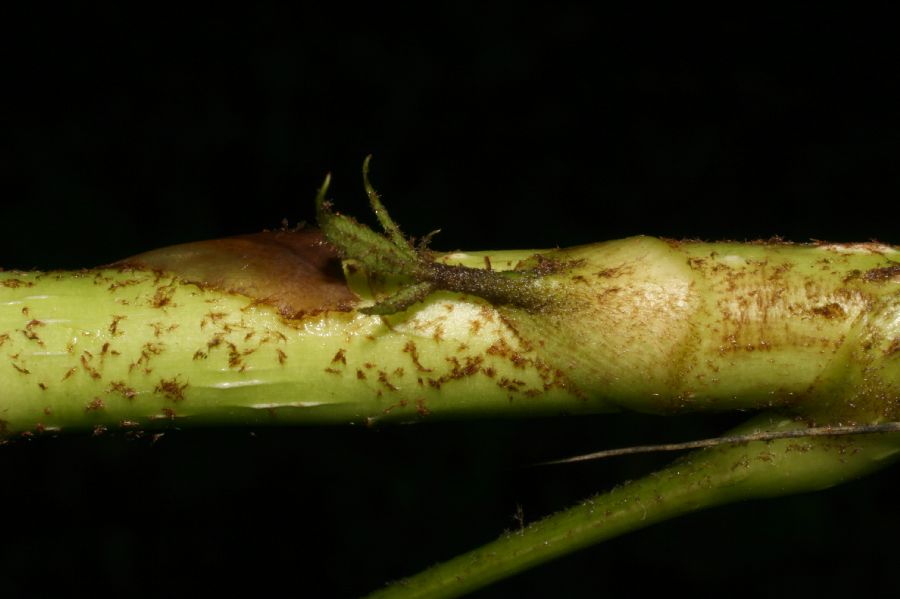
[[708, 478]]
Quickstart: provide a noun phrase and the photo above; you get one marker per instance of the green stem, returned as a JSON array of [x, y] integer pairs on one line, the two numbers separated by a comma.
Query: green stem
[[139, 349], [269, 329], [708, 478], [637, 327]]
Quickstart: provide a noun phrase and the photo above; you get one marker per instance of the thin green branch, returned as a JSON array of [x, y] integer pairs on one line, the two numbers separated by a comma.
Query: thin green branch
[[714, 476]]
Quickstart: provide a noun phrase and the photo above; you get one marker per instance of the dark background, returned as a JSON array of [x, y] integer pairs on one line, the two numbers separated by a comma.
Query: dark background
[[124, 129]]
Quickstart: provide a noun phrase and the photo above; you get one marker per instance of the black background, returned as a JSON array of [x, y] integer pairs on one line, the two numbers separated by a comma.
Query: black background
[[125, 128]]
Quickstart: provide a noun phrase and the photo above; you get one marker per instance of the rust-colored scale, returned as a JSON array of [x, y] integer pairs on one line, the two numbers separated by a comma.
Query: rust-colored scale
[[296, 272]]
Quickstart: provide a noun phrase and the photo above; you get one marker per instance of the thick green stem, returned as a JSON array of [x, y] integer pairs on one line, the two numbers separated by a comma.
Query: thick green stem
[[265, 330], [140, 349], [637, 324]]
